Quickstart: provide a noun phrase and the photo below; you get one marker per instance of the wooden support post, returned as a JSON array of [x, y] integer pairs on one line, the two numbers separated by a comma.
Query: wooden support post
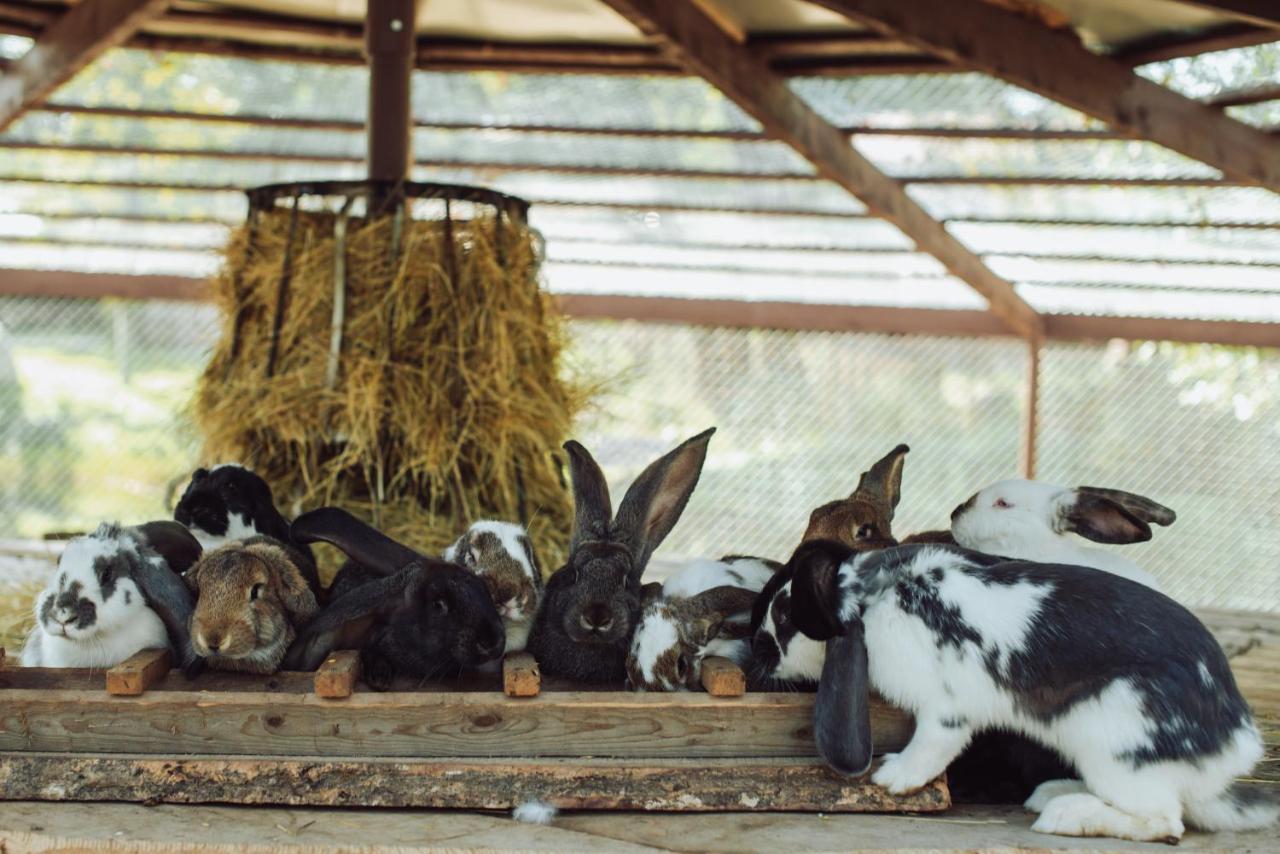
[[722, 678], [75, 39], [336, 677], [140, 671], [520, 675], [389, 42], [1031, 410]]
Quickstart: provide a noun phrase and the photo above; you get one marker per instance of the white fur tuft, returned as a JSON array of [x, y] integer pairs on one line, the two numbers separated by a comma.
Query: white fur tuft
[[534, 812]]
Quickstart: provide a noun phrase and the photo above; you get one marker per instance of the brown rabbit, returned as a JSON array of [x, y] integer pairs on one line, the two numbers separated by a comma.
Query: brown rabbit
[[251, 598], [863, 520]]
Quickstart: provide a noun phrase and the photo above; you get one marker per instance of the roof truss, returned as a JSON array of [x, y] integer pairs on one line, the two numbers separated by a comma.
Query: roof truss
[[695, 40], [1056, 65], [70, 43]]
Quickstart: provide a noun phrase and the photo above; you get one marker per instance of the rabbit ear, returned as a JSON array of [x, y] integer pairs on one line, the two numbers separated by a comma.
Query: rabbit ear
[[706, 611], [1136, 505], [291, 586], [348, 620], [841, 712], [173, 542], [172, 600], [650, 592], [882, 482], [815, 589], [360, 542], [1100, 519], [655, 501], [592, 509]]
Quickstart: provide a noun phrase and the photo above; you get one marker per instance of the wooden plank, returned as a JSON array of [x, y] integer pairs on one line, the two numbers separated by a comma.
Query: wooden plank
[[1245, 95], [336, 677], [676, 785], [439, 724], [139, 672], [70, 43], [722, 677], [696, 42], [520, 675], [1056, 65]]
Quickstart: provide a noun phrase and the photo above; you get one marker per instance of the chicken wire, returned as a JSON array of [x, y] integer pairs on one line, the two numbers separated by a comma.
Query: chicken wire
[[92, 426]]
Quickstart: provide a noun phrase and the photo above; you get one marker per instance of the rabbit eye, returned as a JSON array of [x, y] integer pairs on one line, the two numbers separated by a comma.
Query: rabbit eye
[[1000, 502], [255, 592], [440, 605], [865, 531], [682, 666]]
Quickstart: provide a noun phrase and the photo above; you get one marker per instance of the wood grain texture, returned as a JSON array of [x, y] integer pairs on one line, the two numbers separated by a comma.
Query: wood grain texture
[[722, 678], [520, 675], [139, 672], [336, 677], [423, 724], [692, 38], [678, 784]]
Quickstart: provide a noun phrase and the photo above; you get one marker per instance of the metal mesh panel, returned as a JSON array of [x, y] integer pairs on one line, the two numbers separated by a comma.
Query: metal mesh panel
[[1263, 115], [1209, 74], [1192, 205], [1194, 427], [93, 393]]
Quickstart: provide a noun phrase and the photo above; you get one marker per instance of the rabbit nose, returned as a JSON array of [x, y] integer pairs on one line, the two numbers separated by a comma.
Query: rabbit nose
[[211, 642], [597, 617]]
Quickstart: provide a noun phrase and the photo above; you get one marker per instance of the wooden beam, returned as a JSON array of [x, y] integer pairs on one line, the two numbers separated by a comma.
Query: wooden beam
[[721, 677], [1261, 13], [1246, 95], [139, 672], [694, 40], [674, 785], [336, 677], [1058, 66], [70, 43], [520, 675], [389, 43], [1167, 45]]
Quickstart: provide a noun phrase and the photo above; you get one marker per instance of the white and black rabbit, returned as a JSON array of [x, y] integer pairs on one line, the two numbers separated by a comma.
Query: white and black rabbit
[[1031, 520], [115, 592], [1124, 682], [229, 503], [502, 556], [411, 616], [590, 605]]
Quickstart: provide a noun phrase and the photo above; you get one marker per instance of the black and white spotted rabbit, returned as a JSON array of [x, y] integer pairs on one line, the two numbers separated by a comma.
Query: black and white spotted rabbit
[[1123, 681]]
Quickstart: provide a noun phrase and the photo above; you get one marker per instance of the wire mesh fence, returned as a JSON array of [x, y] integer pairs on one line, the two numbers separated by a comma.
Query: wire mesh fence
[[93, 426]]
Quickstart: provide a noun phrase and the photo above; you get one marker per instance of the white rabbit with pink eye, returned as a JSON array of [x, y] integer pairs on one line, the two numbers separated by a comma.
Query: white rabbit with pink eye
[[1031, 520]]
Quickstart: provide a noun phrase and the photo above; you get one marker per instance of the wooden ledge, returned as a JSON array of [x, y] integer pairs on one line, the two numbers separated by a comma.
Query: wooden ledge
[[140, 671]]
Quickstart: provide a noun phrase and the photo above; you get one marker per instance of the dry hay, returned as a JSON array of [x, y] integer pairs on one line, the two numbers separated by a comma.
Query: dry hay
[[448, 405]]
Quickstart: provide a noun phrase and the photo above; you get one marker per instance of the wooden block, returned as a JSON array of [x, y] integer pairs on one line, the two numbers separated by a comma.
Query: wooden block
[[722, 678], [520, 675], [336, 677], [682, 785], [135, 674]]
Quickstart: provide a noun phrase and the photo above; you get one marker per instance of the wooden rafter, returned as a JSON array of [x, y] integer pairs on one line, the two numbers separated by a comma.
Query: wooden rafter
[[1262, 13], [70, 43], [1058, 66], [697, 43]]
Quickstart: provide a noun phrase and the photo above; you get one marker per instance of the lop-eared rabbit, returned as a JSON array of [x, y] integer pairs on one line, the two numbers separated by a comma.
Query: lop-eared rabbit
[[1124, 682], [591, 604]]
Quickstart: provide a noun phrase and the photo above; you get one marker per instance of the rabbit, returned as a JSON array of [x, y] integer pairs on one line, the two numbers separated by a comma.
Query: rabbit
[[250, 598], [1120, 679], [116, 591], [782, 656], [703, 609], [591, 604], [1031, 520], [502, 555], [410, 616], [228, 503]]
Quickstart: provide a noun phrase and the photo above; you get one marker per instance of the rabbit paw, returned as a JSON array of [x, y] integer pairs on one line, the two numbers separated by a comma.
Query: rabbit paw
[[1050, 789], [900, 775]]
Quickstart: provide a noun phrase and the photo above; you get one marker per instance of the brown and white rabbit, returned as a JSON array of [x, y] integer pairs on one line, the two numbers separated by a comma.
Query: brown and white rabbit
[[863, 521], [251, 597], [502, 555]]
